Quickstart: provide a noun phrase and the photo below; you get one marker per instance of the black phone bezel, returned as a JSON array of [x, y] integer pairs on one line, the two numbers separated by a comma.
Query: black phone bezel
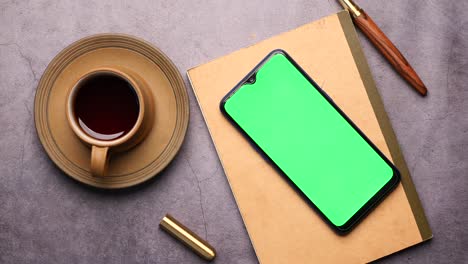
[[367, 207]]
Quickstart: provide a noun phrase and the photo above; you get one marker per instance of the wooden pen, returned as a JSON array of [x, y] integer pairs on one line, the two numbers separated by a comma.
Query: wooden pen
[[384, 45]]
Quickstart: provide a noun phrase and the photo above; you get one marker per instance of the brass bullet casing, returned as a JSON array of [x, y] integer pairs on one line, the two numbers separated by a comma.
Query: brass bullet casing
[[187, 237]]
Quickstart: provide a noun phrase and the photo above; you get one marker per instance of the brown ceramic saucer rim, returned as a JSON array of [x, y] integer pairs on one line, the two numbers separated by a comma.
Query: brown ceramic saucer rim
[[91, 43]]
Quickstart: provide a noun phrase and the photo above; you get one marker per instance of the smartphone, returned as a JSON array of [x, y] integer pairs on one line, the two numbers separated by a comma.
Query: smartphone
[[310, 141]]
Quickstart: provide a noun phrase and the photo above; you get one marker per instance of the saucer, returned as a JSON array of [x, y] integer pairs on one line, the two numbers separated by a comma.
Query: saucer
[[171, 114]]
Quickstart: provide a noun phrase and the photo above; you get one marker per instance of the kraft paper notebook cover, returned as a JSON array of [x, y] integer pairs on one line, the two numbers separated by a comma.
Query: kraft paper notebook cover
[[283, 228]]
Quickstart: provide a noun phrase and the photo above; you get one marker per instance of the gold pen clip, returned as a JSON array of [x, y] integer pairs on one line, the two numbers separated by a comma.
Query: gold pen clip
[[186, 236], [349, 5]]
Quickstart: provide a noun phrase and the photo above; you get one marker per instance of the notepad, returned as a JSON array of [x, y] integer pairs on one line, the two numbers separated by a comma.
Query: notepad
[[281, 226]]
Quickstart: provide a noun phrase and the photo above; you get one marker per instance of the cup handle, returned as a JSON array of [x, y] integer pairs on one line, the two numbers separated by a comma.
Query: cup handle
[[99, 161]]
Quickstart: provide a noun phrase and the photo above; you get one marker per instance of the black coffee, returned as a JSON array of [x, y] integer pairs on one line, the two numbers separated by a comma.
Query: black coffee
[[106, 106]]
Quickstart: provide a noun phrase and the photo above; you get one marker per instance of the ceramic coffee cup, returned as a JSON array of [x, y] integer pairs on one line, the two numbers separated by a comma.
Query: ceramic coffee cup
[[111, 110]]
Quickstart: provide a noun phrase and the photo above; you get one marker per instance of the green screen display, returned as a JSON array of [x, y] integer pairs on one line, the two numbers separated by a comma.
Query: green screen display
[[308, 139]]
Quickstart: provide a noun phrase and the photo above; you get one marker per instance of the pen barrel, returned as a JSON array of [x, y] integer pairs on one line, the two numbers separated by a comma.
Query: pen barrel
[[391, 53]]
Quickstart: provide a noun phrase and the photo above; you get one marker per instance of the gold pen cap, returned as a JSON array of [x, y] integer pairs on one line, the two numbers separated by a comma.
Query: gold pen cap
[[349, 5], [187, 237]]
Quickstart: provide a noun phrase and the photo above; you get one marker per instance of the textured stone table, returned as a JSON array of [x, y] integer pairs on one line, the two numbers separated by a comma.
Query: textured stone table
[[45, 217]]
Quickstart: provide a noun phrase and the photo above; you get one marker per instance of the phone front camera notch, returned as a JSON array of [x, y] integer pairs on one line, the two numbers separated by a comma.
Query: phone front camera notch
[[252, 79]]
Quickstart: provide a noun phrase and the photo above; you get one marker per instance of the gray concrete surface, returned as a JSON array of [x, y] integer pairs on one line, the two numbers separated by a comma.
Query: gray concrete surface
[[47, 218]]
